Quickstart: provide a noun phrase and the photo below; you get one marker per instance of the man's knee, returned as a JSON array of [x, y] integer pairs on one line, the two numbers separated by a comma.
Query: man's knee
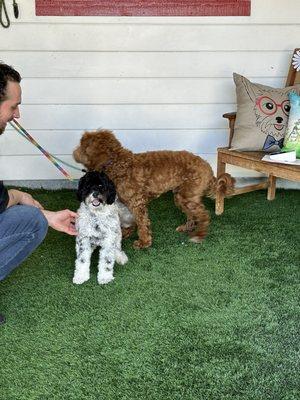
[[34, 220], [41, 223], [23, 219], [24, 228]]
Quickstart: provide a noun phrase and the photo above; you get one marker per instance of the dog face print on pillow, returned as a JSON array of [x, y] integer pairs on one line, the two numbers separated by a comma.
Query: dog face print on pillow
[[262, 116]]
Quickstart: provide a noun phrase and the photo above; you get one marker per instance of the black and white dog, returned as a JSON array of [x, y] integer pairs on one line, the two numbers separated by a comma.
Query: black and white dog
[[98, 224]]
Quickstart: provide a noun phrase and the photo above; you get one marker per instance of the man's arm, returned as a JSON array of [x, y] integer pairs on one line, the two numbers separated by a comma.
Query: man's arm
[[12, 197], [62, 221], [18, 197]]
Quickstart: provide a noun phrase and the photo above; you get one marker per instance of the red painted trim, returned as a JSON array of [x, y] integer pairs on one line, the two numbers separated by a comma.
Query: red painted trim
[[143, 7]]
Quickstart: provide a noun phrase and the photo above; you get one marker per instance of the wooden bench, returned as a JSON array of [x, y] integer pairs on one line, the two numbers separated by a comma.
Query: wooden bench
[[253, 160]]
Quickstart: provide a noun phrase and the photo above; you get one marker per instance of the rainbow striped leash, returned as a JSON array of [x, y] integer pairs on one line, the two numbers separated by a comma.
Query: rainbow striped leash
[[15, 124]]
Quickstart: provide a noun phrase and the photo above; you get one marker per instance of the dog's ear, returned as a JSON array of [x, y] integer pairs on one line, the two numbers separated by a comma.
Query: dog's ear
[[80, 190], [109, 187], [111, 192]]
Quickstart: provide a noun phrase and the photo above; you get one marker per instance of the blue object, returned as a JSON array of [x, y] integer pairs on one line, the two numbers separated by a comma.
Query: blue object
[[23, 228]]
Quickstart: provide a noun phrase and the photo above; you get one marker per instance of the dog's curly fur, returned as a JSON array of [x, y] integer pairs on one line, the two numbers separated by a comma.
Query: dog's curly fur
[[98, 224], [143, 176]]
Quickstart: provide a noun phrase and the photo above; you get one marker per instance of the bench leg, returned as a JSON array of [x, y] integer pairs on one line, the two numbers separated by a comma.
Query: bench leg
[[219, 203], [271, 187]]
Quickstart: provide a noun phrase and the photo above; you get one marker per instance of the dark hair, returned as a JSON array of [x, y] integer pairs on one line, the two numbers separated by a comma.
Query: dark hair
[[91, 181], [7, 73]]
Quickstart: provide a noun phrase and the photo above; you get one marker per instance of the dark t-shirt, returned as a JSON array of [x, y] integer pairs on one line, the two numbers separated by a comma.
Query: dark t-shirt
[[3, 197]]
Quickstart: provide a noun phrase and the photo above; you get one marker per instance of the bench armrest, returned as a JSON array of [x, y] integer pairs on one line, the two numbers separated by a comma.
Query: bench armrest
[[231, 119], [230, 116]]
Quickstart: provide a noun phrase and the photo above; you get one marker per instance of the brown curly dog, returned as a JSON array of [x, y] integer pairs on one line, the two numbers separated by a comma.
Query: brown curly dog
[[144, 176]]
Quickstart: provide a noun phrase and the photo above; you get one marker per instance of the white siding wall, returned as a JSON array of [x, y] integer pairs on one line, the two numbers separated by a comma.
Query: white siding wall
[[159, 83]]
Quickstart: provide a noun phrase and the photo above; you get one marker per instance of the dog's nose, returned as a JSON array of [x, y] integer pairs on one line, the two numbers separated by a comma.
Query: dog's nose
[[96, 193], [279, 119]]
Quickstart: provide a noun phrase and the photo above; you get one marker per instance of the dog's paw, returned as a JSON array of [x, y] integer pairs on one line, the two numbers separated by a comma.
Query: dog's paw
[[104, 279], [139, 244], [198, 237], [181, 228], [121, 258], [78, 279], [189, 226]]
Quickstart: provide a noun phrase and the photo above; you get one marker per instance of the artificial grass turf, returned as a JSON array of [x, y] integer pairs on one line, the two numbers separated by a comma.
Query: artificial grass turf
[[219, 320]]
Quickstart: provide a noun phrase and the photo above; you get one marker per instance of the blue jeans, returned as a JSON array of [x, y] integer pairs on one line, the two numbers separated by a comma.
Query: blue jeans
[[22, 229]]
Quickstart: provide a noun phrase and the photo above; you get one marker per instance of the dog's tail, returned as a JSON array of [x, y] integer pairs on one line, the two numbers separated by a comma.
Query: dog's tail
[[224, 183]]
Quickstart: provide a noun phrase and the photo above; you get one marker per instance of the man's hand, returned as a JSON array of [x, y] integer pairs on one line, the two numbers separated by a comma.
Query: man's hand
[[18, 197], [62, 221]]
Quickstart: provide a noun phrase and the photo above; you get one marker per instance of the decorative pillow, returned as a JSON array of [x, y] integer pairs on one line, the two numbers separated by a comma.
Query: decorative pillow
[[292, 135], [262, 115]]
